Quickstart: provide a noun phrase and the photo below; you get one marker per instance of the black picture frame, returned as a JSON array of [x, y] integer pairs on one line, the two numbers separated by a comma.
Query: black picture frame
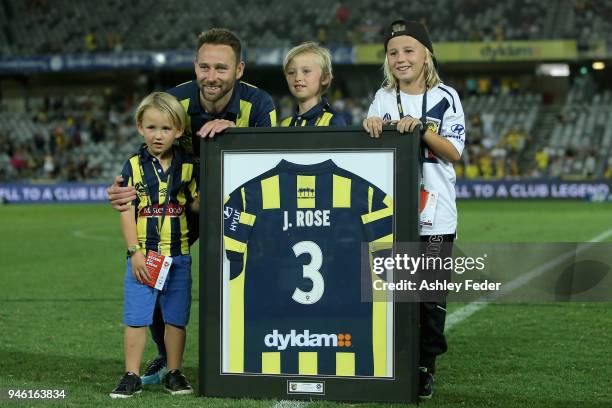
[[402, 386]]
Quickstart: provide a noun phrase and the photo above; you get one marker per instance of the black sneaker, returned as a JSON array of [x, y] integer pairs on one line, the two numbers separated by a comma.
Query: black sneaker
[[426, 381], [176, 384], [154, 371], [129, 385]]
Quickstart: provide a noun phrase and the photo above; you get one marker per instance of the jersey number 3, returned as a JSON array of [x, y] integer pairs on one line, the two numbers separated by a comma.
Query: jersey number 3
[[310, 271]]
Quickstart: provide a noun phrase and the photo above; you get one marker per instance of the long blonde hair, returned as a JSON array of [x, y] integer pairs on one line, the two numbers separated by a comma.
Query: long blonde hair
[[431, 73]]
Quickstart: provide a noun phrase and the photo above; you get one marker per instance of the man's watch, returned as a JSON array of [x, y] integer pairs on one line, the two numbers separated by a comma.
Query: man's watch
[[132, 250]]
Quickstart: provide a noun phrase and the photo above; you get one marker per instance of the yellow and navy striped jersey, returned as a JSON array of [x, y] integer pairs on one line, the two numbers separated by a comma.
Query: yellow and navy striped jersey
[[249, 106], [294, 236], [144, 172], [319, 115]]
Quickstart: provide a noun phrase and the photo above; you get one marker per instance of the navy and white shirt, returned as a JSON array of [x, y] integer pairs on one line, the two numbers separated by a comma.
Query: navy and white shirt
[[445, 117]]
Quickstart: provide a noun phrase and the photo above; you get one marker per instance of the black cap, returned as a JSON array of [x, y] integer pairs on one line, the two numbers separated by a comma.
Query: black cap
[[412, 29]]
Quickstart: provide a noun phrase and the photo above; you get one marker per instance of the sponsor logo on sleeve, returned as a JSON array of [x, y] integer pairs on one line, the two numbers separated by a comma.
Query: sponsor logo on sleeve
[[458, 129], [433, 124]]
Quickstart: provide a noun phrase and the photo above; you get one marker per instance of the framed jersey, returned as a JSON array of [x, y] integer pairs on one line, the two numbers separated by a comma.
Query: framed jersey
[[292, 220]]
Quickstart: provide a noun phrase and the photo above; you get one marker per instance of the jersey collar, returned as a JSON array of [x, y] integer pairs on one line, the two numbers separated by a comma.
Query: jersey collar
[[305, 169], [315, 111]]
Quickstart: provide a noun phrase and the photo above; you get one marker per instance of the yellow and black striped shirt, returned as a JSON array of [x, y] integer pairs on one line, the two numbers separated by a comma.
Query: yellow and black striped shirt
[[319, 115], [144, 172], [315, 320]]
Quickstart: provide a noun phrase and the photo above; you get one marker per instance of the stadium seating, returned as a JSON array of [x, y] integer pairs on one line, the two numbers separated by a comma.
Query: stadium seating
[[509, 135], [72, 136], [34, 27]]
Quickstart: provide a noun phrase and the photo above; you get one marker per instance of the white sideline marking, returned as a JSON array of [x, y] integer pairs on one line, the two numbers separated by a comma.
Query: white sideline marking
[[290, 404], [466, 311], [83, 234]]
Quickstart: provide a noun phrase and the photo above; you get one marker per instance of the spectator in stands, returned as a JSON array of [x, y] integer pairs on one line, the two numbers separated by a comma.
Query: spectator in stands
[[608, 172], [411, 97], [515, 140], [542, 160], [485, 164], [49, 166], [590, 162], [6, 169], [342, 13], [215, 101], [500, 168], [471, 170], [90, 42], [308, 71]]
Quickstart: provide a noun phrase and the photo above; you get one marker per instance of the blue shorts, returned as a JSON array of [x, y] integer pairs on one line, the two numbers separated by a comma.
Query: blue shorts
[[174, 298]]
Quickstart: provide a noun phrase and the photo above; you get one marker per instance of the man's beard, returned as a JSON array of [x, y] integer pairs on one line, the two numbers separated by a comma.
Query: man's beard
[[216, 97]]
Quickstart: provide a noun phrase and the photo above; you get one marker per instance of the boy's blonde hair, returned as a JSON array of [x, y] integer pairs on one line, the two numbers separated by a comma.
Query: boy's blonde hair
[[431, 73], [324, 60], [163, 102]]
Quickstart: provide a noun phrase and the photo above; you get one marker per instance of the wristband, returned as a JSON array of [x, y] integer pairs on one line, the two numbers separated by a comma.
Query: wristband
[[132, 250]]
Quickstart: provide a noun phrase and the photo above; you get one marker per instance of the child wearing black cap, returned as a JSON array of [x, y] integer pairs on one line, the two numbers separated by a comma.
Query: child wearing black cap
[[412, 95]]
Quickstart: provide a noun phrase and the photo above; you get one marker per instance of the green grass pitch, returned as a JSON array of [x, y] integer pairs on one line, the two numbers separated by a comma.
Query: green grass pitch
[[61, 310]]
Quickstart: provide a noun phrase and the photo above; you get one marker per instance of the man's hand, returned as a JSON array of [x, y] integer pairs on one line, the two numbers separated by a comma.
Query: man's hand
[[120, 197], [212, 128]]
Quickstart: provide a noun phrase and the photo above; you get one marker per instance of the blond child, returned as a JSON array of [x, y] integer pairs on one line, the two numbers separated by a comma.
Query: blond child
[[308, 71], [166, 181]]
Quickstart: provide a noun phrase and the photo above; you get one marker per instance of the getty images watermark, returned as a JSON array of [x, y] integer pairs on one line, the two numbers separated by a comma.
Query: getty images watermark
[[439, 269], [515, 272]]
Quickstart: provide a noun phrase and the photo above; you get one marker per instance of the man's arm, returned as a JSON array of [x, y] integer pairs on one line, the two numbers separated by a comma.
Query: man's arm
[[120, 197], [266, 114]]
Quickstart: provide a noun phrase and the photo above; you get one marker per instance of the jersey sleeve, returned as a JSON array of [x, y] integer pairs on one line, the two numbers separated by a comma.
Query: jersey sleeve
[[337, 120], [375, 106], [128, 179], [266, 115], [193, 187], [237, 227], [126, 173], [378, 221], [378, 226], [453, 126]]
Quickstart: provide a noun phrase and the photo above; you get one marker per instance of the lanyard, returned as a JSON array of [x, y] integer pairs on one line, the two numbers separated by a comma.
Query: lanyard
[[160, 225], [400, 108]]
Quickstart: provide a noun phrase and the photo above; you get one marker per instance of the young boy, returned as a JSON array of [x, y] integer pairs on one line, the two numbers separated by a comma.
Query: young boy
[[166, 180], [308, 71], [413, 95]]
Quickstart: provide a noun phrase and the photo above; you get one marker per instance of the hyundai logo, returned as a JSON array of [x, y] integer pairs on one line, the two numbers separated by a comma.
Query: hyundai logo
[[458, 129]]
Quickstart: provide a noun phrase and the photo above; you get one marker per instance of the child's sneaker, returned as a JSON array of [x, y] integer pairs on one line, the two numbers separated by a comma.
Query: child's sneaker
[[129, 385], [155, 371], [176, 384], [426, 381]]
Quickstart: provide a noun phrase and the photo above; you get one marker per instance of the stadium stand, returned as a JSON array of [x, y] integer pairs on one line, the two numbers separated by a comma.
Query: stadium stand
[[69, 139], [512, 132], [34, 27]]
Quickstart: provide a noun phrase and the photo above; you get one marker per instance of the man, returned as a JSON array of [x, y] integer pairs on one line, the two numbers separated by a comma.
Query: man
[[214, 101]]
